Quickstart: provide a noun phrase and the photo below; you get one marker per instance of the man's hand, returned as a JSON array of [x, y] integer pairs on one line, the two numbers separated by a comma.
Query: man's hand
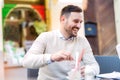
[[61, 55], [82, 70]]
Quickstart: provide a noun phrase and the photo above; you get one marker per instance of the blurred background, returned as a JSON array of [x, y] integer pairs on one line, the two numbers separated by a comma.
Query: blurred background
[[21, 21]]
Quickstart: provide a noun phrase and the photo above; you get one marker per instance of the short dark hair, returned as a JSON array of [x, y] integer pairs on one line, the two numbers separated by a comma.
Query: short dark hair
[[70, 8]]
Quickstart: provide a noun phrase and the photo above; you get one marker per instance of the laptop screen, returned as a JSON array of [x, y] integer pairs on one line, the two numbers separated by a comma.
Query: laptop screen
[[118, 50]]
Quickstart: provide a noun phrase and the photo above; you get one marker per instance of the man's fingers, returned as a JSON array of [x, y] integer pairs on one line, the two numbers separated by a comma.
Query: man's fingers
[[61, 55], [68, 56], [82, 69]]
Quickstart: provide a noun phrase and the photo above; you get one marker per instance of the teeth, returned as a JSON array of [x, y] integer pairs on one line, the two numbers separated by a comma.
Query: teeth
[[75, 28]]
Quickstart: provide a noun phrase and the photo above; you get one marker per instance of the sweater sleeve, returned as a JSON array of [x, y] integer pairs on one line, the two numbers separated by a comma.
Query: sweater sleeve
[[35, 57], [92, 67]]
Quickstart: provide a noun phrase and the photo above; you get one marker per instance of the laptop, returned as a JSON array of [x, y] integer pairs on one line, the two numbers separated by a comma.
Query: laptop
[[118, 50]]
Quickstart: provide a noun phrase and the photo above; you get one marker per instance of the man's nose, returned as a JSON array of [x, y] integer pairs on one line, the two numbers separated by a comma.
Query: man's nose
[[79, 25]]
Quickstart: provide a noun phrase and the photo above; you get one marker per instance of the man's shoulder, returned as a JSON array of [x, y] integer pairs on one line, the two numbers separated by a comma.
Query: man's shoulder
[[81, 37], [49, 34]]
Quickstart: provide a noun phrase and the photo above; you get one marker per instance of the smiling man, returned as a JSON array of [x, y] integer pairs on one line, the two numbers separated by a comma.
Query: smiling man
[[54, 52]]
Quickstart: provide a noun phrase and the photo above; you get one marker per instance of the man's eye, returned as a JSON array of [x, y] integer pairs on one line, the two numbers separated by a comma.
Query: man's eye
[[76, 21]]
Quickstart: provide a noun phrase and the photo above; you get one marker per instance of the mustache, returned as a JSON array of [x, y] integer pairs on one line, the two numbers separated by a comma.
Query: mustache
[[75, 28]]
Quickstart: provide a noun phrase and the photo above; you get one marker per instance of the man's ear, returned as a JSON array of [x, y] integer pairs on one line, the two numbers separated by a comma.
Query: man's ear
[[62, 18]]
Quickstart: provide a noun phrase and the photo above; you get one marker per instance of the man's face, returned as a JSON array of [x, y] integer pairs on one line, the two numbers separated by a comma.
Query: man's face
[[72, 24]]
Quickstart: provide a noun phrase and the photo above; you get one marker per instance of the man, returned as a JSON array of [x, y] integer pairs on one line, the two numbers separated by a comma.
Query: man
[[54, 52]]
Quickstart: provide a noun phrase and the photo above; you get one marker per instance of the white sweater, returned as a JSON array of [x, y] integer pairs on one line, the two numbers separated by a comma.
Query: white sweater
[[49, 43]]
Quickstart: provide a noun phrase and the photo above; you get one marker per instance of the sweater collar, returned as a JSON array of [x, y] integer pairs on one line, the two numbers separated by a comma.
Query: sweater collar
[[62, 37]]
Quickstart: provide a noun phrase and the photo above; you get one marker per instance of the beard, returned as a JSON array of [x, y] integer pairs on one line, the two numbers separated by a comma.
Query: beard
[[72, 32]]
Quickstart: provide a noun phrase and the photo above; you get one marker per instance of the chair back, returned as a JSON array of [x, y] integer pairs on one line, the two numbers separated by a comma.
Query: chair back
[[32, 74], [108, 64]]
